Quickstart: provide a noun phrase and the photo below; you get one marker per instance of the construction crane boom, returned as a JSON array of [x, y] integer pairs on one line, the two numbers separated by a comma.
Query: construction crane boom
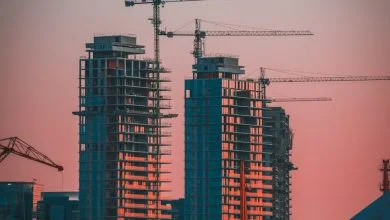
[[158, 2], [21, 148], [328, 79], [266, 81], [236, 33], [319, 99], [200, 35]]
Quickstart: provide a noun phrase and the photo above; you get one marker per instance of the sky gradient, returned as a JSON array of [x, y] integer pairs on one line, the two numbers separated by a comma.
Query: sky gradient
[[338, 145]]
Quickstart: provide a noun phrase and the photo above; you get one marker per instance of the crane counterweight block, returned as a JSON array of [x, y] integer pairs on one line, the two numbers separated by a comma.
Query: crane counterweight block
[[21, 148]]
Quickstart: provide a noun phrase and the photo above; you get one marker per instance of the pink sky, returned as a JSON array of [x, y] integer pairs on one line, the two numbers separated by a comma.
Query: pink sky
[[338, 145]]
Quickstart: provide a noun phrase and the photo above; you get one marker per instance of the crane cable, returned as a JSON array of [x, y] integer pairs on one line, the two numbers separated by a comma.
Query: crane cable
[[224, 25], [184, 25], [235, 25]]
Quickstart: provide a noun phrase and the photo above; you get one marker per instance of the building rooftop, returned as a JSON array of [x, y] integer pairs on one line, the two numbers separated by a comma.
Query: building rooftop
[[217, 67], [379, 209], [72, 195], [17, 182], [115, 45]]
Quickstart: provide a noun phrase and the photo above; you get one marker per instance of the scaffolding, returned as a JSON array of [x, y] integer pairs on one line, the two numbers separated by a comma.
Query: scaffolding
[[278, 137], [123, 142]]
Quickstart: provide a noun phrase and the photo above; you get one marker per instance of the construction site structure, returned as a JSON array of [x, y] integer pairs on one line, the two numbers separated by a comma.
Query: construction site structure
[[385, 186], [277, 146], [17, 146], [223, 133], [200, 35], [123, 141]]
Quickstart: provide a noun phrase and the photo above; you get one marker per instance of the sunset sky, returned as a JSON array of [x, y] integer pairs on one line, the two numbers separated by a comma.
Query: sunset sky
[[338, 145]]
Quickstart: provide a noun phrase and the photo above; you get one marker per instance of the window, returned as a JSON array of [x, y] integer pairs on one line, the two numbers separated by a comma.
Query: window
[[188, 93]]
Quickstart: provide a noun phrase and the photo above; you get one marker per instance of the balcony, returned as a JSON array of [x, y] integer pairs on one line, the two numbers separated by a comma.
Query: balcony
[[146, 206], [146, 178], [145, 159]]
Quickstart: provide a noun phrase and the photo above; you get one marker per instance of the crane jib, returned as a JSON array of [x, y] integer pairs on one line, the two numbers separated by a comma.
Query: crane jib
[[329, 79]]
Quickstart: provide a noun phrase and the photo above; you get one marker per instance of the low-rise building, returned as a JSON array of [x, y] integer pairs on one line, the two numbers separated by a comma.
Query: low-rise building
[[58, 206], [18, 200]]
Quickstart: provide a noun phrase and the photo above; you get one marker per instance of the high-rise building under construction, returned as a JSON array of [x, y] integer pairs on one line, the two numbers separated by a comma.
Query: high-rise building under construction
[[225, 173], [277, 146], [121, 102]]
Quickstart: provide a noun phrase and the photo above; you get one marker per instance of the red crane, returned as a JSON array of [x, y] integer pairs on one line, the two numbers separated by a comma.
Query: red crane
[[21, 148], [243, 207]]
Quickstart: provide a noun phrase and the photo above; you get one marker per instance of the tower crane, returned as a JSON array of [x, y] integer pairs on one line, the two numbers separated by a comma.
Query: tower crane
[[21, 148], [200, 35], [309, 79], [156, 21], [267, 81]]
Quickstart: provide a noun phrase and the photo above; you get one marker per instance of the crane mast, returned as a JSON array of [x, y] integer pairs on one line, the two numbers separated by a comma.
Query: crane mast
[[157, 116], [21, 148], [156, 21]]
